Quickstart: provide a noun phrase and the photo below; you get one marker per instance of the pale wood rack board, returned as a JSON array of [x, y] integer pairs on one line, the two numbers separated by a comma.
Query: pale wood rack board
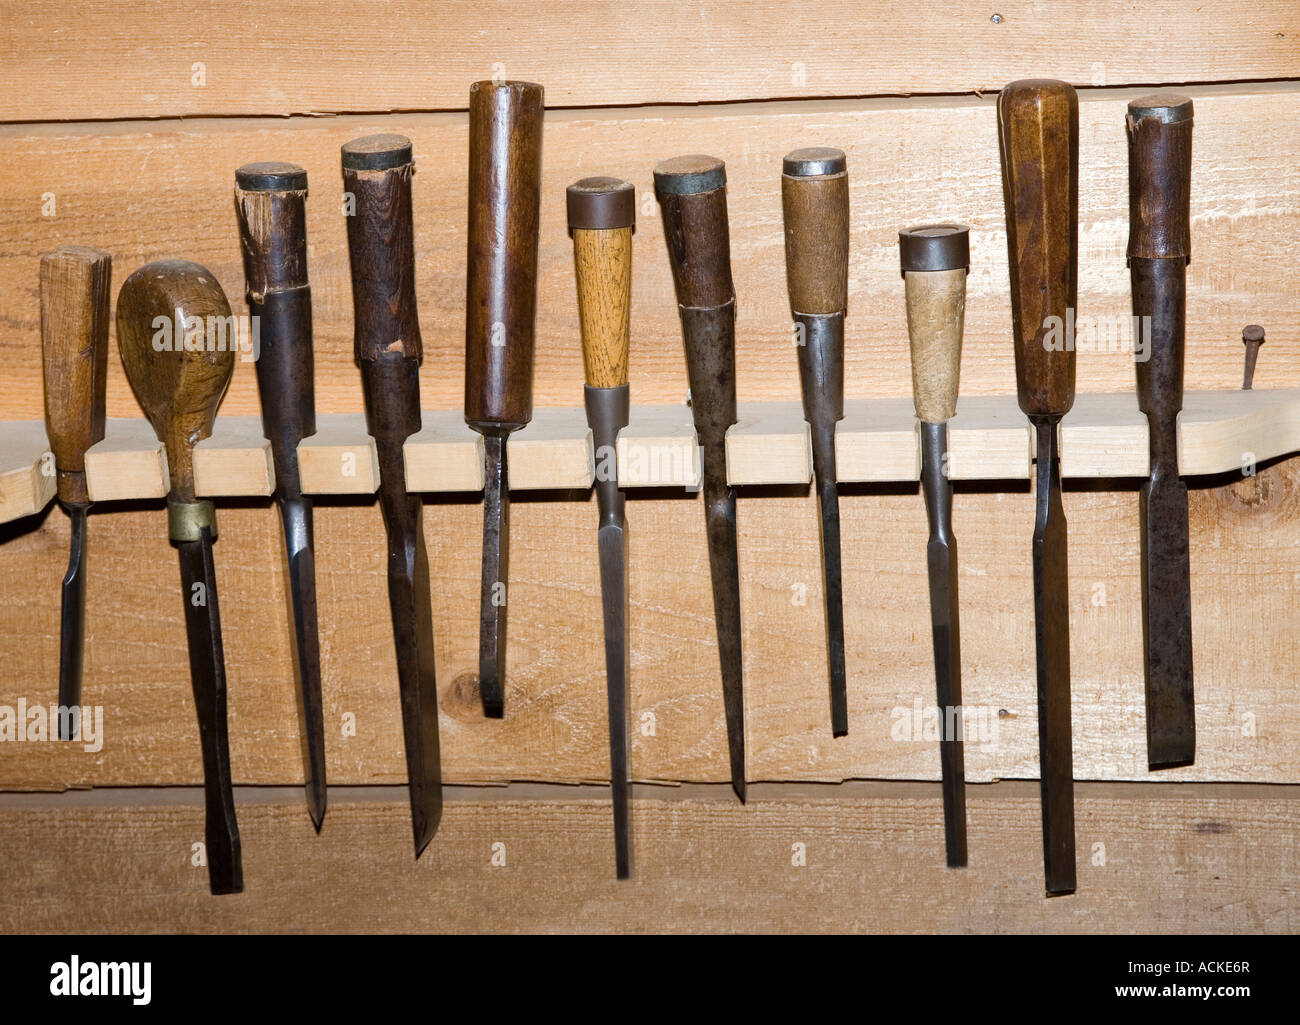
[[1104, 436]]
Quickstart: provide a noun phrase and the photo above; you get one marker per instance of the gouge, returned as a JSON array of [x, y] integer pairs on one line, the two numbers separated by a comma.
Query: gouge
[[1159, 249], [270, 203], [692, 193], [815, 203], [75, 282], [1038, 133], [602, 217], [935, 260], [377, 173], [505, 172], [170, 334]]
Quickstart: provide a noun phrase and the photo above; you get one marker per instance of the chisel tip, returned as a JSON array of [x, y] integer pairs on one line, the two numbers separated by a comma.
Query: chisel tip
[[316, 806]]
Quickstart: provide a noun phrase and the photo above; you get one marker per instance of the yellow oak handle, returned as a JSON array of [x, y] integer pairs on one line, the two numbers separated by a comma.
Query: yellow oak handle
[[602, 214], [935, 260]]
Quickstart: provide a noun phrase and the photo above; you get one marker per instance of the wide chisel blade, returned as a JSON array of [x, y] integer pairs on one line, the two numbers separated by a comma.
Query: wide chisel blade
[[208, 679], [1167, 622], [720, 521], [296, 515], [612, 543], [72, 626]]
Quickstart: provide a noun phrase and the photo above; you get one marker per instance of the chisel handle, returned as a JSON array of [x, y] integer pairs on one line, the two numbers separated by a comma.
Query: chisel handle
[[1160, 243], [815, 203], [505, 179], [180, 385], [935, 260], [1038, 133], [270, 203], [602, 218], [75, 283]]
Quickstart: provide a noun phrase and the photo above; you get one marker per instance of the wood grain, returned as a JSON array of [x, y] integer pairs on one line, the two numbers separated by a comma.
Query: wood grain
[[172, 58], [1153, 859], [936, 311], [602, 266], [815, 214]]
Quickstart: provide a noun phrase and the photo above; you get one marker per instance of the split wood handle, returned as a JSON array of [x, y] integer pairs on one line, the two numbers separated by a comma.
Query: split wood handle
[[75, 282], [1160, 177], [377, 172], [692, 193], [935, 261], [174, 333], [505, 182], [815, 202], [602, 218], [270, 202], [1038, 132]]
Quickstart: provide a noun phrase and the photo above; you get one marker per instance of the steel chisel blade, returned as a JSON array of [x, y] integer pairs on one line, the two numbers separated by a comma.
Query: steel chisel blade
[[72, 630], [612, 544], [720, 520]]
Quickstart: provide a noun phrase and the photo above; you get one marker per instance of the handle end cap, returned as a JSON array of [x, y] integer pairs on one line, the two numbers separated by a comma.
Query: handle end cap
[[814, 162], [271, 176], [601, 204], [933, 247], [377, 152], [689, 175]]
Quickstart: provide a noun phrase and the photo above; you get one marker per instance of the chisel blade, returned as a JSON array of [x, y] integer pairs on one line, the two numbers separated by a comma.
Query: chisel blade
[[296, 515], [612, 544], [1167, 622], [1052, 637], [828, 505], [72, 626], [208, 680], [720, 521], [496, 566]]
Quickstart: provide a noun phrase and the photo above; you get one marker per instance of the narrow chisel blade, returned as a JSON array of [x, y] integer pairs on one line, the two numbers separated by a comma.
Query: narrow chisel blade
[[208, 680], [297, 517], [72, 627], [1167, 622], [828, 505], [496, 563], [612, 543], [720, 521]]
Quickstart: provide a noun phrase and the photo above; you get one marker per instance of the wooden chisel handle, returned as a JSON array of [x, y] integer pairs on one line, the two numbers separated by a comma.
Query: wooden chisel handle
[[1038, 132], [270, 202], [75, 283], [1160, 241], [602, 218], [505, 180], [935, 261], [815, 204]]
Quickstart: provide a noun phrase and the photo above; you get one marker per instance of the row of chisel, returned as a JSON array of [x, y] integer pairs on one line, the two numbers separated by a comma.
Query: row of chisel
[[180, 386]]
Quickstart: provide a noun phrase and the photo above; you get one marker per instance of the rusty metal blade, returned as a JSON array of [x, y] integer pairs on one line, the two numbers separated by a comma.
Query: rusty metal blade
[[720, 520], [1167, 622], [496, 568], [72, 625]]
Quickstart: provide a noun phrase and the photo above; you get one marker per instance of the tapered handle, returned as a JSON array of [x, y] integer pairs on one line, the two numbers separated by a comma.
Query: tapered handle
[[935, 260], [1160, 177], [377, 172], [1038, 132], [815, 203], [505, 178], [692, 192], [75, 282], [602, 217], [174, 334]]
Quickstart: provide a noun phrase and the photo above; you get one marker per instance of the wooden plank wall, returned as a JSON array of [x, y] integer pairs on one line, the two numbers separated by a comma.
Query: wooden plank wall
[[124, 133]]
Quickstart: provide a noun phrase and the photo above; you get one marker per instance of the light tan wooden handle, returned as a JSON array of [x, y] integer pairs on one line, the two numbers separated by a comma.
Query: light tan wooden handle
[[815, 204], [75, 298], [936, 309], [602, 215]]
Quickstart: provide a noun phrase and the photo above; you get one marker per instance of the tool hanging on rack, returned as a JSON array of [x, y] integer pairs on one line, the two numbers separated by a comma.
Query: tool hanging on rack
[[602, 218], [377, 171], [692, 193], [270, 204], [179, 386], [815, 204], [1038, 134], [75, 282], [935, 260]]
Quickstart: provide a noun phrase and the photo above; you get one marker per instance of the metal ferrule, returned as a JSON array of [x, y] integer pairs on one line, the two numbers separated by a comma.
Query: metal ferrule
[[607, 414], [821, 367], [391, 387], [186, 520], [284, 371], [710, 334], [934, 480]]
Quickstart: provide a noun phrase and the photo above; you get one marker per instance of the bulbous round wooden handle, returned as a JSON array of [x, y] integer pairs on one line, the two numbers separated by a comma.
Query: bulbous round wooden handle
[[935, 261], [1038, 133], [1160, 177], [692, 193], [815, 204], [75, 282], [602, 217], [178, 341]]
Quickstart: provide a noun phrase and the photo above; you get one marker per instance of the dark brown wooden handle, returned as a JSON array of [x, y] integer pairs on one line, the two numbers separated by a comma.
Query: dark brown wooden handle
[[692, 193], [1038, 133], [505, 182], [174, 334], [815, 202], [602, 217], [1160, 177], [75, 282], [377, 172]]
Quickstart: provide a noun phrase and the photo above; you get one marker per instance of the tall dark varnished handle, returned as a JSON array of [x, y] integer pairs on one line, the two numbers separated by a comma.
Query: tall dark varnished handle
[[692, 193], [815, 204], [75, 283], [505, 177], [1038, 133], [602, 218]]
